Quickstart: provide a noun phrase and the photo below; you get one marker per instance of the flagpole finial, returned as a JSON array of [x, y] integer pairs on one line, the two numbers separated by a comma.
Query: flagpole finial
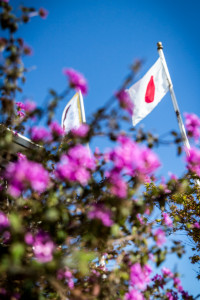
[[159, 46]]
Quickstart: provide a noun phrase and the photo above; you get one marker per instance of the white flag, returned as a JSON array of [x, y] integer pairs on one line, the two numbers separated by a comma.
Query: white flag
[[73, 115], [148, 91]]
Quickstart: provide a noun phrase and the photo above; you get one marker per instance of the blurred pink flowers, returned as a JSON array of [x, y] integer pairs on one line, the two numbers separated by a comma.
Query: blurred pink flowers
[[23, 174], [56, 129], [76, 165], [160, 237], [81, 131], [167, 220], [192, 123], [139, 276], [102, 213], [76, 80], [193, 160], [40, 134], [125, 101], [4, 222], [133, 295]]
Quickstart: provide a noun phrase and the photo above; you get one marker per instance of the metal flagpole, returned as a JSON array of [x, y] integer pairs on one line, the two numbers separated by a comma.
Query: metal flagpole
[[174, 101]]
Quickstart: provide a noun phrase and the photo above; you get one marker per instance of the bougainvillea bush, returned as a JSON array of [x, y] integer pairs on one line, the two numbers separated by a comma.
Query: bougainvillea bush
[[77, 223]]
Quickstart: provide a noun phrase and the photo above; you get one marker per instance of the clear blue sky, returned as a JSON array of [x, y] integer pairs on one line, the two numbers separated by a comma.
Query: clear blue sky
[[101, 38]]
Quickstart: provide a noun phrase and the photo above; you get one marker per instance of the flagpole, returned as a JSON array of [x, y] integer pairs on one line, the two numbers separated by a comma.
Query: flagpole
[[174, 101], [82, 108]]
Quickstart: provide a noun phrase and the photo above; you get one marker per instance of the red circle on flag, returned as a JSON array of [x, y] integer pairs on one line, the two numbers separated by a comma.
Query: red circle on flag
[[150, 91]]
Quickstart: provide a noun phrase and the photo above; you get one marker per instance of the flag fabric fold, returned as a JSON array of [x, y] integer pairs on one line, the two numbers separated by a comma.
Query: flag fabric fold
[[148, 91], [73, 115]]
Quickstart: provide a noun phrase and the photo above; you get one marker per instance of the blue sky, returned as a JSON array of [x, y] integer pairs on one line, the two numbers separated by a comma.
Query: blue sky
[[101, 38]]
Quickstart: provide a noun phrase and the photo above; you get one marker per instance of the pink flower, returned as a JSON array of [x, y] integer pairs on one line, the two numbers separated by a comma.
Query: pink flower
[[177, 284], [193, 160], [81, 131], [160, 237], [43, 13], [167, 220], [21, 156], [76, 165], [23, 174], [39, 134], [20, 105], [167, 273], [56, 129], [133, 295], [43, 247], [139, 276], [29, 239], [118, 185], [4, 222], [196, 225], [102, 213], [67, 275], [21, 114], [29, 106], [76, 80], [125, 101], [192, 124]]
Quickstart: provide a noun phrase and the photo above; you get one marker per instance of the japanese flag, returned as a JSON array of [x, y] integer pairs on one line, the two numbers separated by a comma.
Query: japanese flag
[[74, 114], [148, 91]]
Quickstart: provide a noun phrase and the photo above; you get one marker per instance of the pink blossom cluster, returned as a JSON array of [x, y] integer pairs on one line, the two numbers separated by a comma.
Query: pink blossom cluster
[[134, 295], [76, 80], [76, 165], [40, 134], [139, 276], [23, 108], [66, 275], [160, 237], [167, 220], [4, 222], [192, 123], [99, 211], [56, 129], [23, 174], [130, 159], [42, 245], [81, 131], [125, 101], [193, 160]]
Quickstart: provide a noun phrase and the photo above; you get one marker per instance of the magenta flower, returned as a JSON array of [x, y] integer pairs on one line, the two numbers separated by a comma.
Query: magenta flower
[[118, 184], [139, 276], [76, 80], [29, 106], [81, 131], [167, 273], [4, 222], [193, 160], [20, 105], [133, 295], [43, 13], [177, 284], [76, 165], [39, 134], [167, 220], [29, 239], [67, 275], [56, 129], [21, 156], [192, 123], [196, 225], [160, 237], [23, 174], [21, 114], [43, 247], [102, 213], [125, 101]]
